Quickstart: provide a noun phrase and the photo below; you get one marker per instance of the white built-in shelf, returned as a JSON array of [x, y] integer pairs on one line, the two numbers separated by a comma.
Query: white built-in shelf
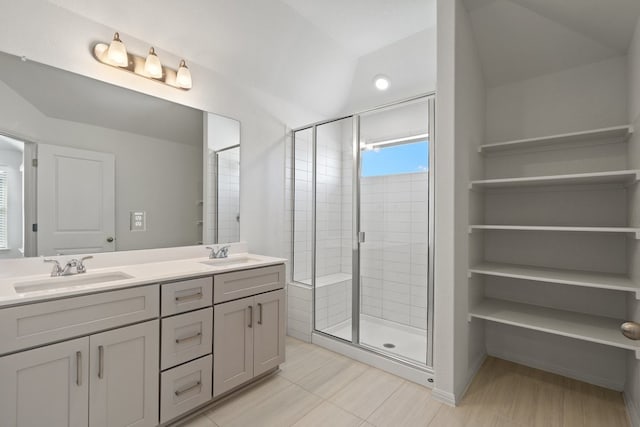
[[590, 279], [612, 134], [598, 329], [626, 230], [612, 177]]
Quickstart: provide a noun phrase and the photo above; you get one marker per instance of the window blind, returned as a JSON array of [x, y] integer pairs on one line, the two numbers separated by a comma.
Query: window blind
[[4, 185]]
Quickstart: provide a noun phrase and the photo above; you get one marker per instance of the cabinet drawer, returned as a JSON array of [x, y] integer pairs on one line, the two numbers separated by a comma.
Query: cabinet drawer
[[186, 295], [184, 388], [240, 284], [186, 337], [40, 323]]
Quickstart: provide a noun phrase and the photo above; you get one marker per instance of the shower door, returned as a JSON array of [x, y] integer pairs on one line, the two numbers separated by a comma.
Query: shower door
[[362, 233], [394, 225], [333, 233]]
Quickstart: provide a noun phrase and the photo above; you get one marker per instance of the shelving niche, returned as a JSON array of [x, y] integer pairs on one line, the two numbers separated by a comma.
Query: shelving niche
[[551, 221]]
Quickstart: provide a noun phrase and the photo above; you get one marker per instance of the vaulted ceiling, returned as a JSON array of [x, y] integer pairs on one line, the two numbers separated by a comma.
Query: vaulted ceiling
[[303, 51], [520, 39]]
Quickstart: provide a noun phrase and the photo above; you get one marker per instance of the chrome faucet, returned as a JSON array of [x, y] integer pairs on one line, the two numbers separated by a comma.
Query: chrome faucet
[[222, 252], [77, 264], [57, 270]]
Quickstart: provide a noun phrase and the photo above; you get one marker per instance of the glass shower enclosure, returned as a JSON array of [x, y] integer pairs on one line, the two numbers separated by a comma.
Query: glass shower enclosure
[[362, 229]]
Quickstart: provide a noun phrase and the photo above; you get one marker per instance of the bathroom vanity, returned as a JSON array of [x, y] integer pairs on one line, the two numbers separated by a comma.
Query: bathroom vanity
[[139, 344]]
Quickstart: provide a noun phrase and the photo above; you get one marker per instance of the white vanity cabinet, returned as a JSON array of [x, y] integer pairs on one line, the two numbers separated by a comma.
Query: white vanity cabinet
[[248, 338], [187, 334], [140, 356], [123, 376], [48, 386], [106, 379], [101, 379]]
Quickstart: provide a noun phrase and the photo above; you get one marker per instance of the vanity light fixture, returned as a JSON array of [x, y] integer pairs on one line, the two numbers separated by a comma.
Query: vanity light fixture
[[184, 76], [115, 54], [152, 64]]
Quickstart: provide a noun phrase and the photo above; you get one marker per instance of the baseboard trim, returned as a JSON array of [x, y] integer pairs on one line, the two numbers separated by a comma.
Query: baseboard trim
[[560, 370], [443, 396], [299, 335], [472, 374], [453, 399], [632, 410]]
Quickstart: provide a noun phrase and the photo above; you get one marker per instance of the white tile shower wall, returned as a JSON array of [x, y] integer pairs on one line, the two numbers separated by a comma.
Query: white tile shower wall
[[329, 200], [328, 205], [333, 304], [394, 216], [302, 208], [299, 311]]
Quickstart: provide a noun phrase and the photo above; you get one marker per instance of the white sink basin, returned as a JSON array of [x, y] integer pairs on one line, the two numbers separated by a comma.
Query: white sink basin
[[65, 282], [225, 262]]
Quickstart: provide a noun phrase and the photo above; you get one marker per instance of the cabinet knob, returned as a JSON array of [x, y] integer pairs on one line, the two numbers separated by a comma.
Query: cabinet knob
[[110, 239]]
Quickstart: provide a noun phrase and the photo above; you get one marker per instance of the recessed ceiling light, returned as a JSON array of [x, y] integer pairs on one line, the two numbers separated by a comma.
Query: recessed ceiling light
[[381, 82]]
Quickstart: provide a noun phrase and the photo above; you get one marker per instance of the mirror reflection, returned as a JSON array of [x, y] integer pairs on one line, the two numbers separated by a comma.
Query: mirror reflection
[[86, 166], [223, 163]]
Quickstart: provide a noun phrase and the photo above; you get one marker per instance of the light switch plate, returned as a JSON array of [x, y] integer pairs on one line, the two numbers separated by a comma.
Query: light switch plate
[[137, 221]]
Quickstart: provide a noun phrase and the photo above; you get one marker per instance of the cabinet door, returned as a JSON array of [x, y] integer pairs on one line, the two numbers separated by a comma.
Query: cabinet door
[[232, 344], [124, 376], [47, 386], [268, 341]]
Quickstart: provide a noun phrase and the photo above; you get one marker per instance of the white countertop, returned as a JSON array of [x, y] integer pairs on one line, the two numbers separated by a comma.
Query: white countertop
[[144, 273]]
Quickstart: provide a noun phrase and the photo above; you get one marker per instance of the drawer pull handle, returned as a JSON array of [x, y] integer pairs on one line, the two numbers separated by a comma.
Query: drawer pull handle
[[250, 316], [100, 361], [189, 297], [259, 313], [78, 368], [184, 390], [180, 340]]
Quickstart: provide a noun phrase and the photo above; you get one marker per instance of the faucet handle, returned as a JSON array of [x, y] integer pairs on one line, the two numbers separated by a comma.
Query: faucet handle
[[56, 266], [80, 267]]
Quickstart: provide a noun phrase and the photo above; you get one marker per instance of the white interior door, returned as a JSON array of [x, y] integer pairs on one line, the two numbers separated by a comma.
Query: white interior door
[[76, 201]]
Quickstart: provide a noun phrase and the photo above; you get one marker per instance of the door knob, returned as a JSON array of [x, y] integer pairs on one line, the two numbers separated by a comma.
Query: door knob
[[109, 239]]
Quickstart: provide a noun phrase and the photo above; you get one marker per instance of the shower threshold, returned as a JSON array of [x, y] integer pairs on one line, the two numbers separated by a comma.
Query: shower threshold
[[408, 342]]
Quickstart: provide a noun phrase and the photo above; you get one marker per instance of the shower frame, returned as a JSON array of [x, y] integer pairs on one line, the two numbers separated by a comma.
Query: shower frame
[[357, 235]]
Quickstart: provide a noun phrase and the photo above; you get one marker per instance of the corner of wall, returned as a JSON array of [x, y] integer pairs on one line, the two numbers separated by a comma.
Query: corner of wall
[[632, 384]]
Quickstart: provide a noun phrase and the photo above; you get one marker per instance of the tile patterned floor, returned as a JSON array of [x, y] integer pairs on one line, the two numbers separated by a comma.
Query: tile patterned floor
[[317, 387]]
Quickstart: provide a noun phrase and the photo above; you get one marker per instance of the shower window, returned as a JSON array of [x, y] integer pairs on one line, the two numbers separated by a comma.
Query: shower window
[[408, 157]]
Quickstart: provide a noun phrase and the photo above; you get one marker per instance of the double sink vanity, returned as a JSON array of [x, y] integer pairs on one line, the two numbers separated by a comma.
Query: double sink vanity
[[139, 344]]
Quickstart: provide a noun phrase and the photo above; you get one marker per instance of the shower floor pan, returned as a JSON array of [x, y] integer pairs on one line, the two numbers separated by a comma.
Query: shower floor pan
[[389, 337]]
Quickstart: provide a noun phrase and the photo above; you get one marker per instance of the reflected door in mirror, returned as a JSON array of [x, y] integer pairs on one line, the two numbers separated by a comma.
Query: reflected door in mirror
[[76, 192]]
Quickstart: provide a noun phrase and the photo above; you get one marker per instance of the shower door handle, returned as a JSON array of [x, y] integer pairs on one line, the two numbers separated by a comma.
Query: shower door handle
[[361, 237]]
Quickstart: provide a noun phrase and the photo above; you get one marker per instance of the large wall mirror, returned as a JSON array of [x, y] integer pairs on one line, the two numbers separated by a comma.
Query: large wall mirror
[[86, 166]]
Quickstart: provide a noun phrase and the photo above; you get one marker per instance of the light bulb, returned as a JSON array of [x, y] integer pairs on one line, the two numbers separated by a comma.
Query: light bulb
[[381, 82], [152, 65], [183, 78], [117, 53]]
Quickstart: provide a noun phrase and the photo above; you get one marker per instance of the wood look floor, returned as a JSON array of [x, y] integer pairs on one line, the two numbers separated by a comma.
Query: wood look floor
[[317, 387]]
